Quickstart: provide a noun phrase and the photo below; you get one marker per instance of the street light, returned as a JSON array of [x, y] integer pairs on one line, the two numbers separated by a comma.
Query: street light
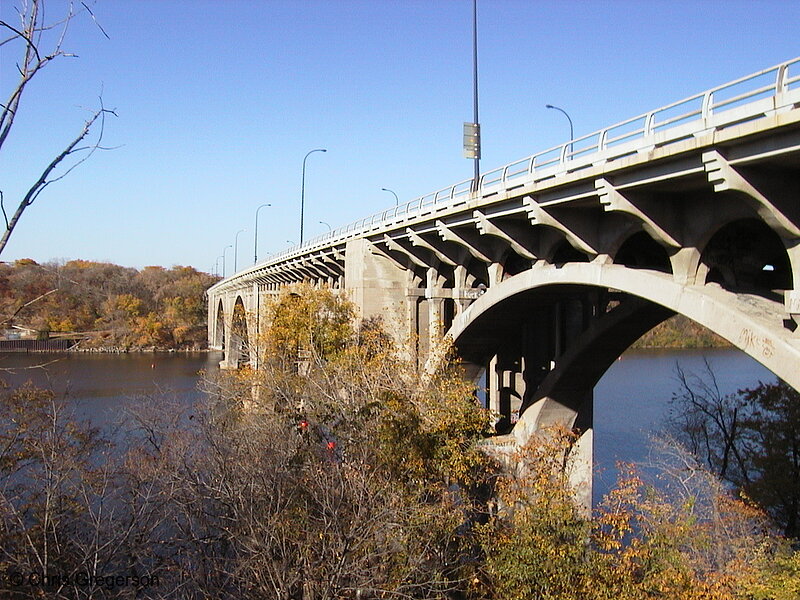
[[303, 189], [326, 225], [477, 155], [216, 267], [571, 132], [236, 251], [225, 249], [255, 235], [396, 199]]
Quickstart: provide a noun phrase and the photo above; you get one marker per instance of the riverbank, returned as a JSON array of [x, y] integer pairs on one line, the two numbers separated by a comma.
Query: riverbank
[[147, 350], [674, 333], [73, 346], [107, 306]]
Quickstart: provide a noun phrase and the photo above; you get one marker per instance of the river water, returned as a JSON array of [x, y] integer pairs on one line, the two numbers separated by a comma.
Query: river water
[[101, 387], [631, 400]]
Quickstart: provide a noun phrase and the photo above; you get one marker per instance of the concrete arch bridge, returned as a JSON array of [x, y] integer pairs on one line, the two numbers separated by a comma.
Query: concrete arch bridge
[[547, 269]]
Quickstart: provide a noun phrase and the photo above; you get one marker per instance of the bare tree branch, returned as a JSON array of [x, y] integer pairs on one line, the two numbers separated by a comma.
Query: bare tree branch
[[34, 59], [43, 181], [100, 27], [2, 206]]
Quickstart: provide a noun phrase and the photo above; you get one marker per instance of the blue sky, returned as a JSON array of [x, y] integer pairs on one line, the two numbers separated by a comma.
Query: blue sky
[[218, 103]]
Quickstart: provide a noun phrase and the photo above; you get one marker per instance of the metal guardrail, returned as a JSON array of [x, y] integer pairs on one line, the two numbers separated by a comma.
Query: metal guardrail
[[740, 100]]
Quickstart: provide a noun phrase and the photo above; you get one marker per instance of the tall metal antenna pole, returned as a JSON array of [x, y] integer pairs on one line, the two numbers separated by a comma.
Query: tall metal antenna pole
[[475, 86]]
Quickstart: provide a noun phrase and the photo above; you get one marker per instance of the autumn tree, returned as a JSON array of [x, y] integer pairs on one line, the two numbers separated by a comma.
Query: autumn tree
[[535, 545], [304, 320], [676, 531], [354, 477], [40, 41], [772, 436]]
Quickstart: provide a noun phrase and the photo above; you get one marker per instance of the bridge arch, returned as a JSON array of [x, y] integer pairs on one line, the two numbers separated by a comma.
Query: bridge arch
[[564, 253], [477, 273], [628, 302]]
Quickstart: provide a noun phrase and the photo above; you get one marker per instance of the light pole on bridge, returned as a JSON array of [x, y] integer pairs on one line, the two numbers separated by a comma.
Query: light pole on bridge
[[326, 225], [476, 122], [571, 131], [255, 234], [396, 199], [224, 250], [236, 251], [303, 189]]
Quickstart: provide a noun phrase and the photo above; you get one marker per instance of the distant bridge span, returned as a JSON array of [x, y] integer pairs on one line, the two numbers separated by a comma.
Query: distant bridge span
[[548, 268]]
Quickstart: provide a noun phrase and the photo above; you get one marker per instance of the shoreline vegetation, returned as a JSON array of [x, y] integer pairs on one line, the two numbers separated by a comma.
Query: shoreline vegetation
[[680, 332]]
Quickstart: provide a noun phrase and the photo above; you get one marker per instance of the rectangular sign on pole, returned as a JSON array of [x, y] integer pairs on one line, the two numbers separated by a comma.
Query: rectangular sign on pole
[[472, 140]]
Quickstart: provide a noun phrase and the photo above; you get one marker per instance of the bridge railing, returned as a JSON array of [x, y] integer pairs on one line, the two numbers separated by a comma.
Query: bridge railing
[[743, 99]]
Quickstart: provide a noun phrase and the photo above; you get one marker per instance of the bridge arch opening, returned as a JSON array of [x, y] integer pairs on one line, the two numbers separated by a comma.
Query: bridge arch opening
[[219, 327], [640, 251], [746, 255], [477, 273], [239, 351], [448, 313], [514, 264], [564, 253], [447, 277]]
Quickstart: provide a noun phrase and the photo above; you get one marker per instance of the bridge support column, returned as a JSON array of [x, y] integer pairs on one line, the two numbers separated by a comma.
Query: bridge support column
[[538, 347], [520, 375], [582, 455], [255, 327], [506, 389], [792, 297], [434, 321], [422, 335], [410, 323], [378, 287]]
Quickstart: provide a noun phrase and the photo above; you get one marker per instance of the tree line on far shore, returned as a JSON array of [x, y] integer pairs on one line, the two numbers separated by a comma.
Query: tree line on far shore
[[680, 332], [165, 308], [117, 306]]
